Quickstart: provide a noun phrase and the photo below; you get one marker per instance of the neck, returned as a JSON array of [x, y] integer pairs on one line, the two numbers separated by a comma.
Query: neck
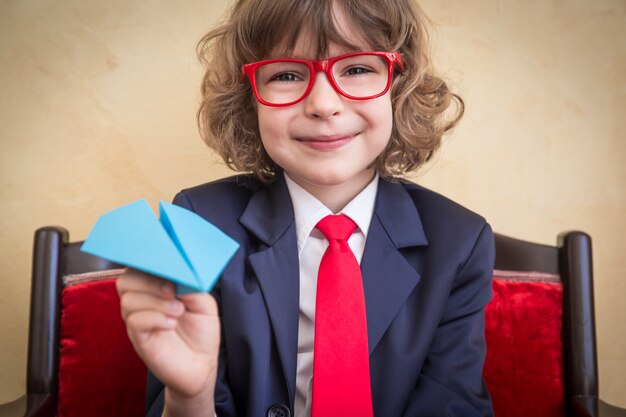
[[337, 196]]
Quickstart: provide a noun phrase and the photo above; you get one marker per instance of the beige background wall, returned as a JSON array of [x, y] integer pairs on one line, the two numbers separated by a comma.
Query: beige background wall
[[97, 107]]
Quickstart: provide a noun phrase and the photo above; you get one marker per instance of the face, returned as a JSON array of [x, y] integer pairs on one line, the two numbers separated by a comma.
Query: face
[[326, 142]]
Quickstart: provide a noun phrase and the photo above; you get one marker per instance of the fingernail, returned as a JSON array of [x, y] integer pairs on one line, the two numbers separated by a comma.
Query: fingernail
[[170, 322]]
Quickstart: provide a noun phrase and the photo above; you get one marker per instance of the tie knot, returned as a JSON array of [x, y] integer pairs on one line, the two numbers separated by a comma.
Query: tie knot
[[336, 227]]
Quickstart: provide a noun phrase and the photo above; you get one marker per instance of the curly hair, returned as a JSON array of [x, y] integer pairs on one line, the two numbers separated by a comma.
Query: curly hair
[[424, 109]]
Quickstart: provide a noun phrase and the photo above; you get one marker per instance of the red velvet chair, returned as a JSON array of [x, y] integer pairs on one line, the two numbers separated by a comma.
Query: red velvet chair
[[541, 358], [80, 361], [540, 330]]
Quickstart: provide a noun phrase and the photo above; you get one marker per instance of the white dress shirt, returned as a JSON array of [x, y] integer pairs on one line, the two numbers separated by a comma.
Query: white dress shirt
[[308, 211]]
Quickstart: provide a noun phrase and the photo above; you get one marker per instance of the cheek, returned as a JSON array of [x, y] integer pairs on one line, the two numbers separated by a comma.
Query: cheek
[[387, 116], [262, 117], [272, 123], [380, 116], [272, 129]]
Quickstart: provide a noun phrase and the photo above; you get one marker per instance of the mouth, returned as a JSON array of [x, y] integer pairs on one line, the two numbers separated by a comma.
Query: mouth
[[326, 143]]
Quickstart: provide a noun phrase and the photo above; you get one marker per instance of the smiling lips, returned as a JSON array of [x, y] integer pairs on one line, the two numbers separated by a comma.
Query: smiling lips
[[326, 143]]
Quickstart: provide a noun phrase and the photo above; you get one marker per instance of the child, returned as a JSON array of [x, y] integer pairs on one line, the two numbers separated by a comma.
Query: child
[[326, 126]]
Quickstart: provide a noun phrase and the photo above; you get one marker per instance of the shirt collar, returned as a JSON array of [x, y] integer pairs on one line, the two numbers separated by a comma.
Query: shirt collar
[[308, 210]]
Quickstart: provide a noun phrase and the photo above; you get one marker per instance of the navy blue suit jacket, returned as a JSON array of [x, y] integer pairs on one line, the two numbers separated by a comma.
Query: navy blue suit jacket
[[427, 269]]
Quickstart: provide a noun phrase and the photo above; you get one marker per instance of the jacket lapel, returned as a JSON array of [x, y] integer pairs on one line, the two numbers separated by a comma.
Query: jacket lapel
[[269, 216], [388, 279]]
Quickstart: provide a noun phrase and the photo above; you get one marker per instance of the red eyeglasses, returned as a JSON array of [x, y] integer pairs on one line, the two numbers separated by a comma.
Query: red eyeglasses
[[357, 76]]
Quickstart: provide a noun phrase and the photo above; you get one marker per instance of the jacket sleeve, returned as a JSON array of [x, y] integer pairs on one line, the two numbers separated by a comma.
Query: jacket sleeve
[[451, 382]]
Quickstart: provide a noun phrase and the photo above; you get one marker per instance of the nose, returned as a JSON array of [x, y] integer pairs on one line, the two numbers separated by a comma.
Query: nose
[[323, 101]]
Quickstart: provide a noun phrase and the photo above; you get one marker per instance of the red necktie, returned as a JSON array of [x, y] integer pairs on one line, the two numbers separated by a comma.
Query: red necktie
[[341, 372]]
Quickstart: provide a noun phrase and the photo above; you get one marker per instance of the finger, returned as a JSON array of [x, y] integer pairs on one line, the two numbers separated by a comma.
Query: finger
[[147, 321], [133, 301], [200, 302], [134, 280]]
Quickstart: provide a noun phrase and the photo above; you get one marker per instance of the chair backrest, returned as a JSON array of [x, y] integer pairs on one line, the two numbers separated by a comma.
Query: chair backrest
[[80, 361], [540, 327]]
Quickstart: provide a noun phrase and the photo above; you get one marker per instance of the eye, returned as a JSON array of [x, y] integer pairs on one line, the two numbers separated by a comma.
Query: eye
[[357, 70], [285, 77]]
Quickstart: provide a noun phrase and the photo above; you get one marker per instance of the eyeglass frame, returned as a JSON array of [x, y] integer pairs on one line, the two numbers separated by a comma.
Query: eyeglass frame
[[393, 59]]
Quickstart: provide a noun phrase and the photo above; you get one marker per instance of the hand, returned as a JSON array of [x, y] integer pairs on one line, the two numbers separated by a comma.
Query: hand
[[178, 339]]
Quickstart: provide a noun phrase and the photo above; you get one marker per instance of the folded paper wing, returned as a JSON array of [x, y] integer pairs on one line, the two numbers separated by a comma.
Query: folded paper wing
[[206, 249], [181, 247]]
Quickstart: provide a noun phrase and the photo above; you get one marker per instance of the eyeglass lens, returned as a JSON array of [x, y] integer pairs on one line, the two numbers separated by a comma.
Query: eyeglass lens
[[359, 76]]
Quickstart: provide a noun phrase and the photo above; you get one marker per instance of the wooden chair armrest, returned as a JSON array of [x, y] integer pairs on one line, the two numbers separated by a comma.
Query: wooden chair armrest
[[608, 410], [30, 405], [594, 407], [15, 408]]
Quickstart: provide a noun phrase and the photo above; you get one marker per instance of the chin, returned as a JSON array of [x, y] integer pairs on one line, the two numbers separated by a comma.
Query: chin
[[338, 178], [330, 178]]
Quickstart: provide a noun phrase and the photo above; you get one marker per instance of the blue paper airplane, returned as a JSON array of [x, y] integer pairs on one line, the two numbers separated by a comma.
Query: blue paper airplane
[[181, 247]]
